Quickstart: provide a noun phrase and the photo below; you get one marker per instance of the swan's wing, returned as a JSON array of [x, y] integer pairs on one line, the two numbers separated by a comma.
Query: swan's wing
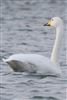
[[16, 65], [19, 66]]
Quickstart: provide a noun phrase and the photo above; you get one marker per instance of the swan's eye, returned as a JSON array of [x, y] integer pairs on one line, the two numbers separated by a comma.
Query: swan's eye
[[52, 19]]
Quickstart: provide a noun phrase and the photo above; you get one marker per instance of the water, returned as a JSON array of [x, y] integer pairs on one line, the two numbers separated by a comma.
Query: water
[[22, 31]]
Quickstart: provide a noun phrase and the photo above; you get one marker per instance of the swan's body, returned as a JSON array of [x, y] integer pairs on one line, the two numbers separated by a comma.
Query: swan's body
[[32, 63], [38, 63]]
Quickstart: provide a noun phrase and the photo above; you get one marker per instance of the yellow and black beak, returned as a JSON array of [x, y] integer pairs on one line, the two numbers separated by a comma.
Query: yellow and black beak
[[48, 24]]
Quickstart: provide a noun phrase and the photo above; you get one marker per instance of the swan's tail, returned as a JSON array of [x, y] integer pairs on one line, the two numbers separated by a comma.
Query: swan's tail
[[6, 60]]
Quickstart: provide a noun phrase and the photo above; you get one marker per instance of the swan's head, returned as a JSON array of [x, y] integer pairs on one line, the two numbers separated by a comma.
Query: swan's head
[[55, 22]]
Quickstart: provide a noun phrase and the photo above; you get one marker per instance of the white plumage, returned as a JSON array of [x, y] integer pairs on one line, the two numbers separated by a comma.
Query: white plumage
[[38, 63]]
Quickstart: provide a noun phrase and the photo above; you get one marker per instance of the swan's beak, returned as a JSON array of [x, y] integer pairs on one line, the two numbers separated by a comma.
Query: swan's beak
[[48, 24]]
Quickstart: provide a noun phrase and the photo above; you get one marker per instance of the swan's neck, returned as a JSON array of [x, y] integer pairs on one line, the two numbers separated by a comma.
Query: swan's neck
[[57, 45]]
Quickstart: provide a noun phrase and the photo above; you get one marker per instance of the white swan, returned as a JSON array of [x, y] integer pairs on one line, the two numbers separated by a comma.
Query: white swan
[[38, 63]]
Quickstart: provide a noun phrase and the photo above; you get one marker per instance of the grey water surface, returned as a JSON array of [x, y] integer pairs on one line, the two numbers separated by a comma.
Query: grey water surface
[[22, 31]]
